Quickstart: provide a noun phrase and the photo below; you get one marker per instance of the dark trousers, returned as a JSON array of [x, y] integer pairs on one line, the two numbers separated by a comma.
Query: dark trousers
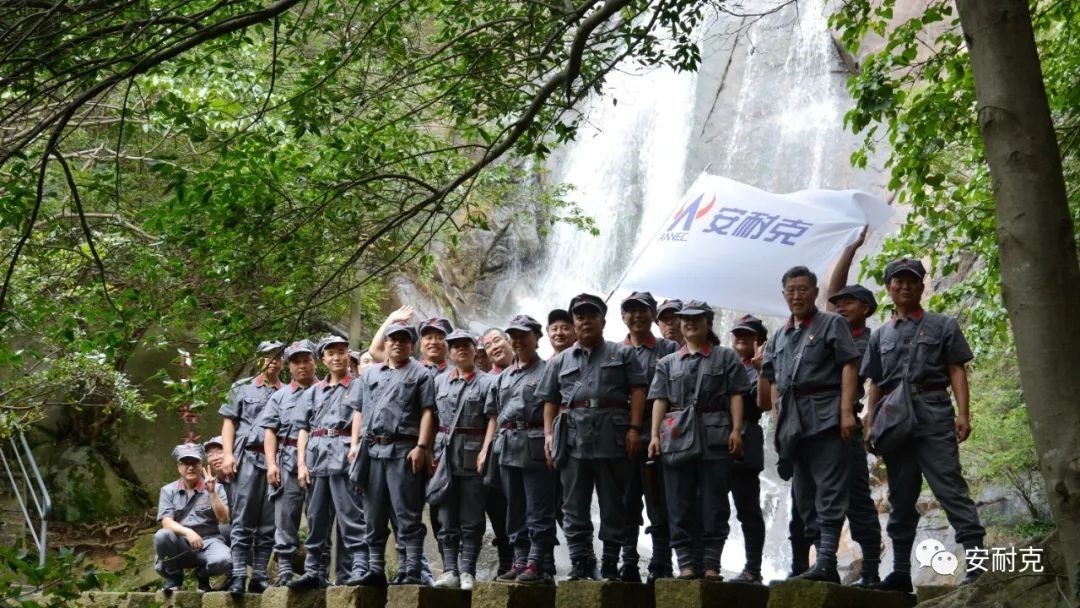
[[822, 462], [698, 511], [637, 501], [252, 519], [608, 477], [331, 495], [530, 512], [936, 457], [174, 554], [745, 486], [461, 524], [394, 488]]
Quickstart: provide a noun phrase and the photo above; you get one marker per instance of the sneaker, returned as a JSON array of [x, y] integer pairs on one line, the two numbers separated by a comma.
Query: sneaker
[[821, 573], [448, 580], [747, 577], [512, 574], [629, 573], [583, 570], [895, 582], [533, 575], [467, 581]]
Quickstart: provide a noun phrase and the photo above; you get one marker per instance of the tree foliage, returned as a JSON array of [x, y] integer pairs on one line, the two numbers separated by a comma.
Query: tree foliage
[[916, 95], [203, 174]]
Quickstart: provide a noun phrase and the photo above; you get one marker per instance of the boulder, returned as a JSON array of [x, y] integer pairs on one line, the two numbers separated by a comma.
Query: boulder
[[139, 572], [85, 488]]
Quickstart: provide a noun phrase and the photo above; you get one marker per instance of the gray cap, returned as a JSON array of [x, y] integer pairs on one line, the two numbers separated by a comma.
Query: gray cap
[[435, 324], [858, 292], [640, 298], [694, 308], [587, 300], [213, 441], [267, 347], [666, 305], [330, 340], [188, 450], [461, 334], [524, 323], [397, 328], [908, 265], [300, 346]]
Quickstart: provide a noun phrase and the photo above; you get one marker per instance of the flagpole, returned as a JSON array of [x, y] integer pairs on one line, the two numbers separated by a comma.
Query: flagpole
[[634, 262]]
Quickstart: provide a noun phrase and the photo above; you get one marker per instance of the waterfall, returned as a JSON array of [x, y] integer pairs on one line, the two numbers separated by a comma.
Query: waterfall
[[766, 109]]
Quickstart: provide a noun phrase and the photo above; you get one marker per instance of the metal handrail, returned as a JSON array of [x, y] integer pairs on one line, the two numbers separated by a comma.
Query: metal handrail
[[39, 494]]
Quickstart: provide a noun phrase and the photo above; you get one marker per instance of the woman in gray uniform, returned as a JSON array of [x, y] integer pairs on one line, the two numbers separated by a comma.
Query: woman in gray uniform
[[696, 424]]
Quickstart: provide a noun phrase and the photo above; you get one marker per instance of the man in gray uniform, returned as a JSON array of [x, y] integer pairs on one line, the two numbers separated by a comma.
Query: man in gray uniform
[[560, 330], [280, 418], [322, 467], [527, 482], [398, 420], [811, 371], [599, 387], [638, 314], [190, 511], [497, 345], [668, 322], [460, 398], [252, 517], [938, 352]]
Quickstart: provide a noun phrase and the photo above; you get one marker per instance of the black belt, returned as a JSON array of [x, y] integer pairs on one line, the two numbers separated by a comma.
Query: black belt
[[521, 425], [465, 430], [816, 390], [923, 388], [596, 403], [258, 449], [388, 439], [331, 432]]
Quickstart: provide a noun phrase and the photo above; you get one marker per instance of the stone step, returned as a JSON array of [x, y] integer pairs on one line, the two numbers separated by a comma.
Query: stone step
[[283, 597], [420, 596], [812, 594], [512, 595], [603, 594], [703, 593], [356, 597], [222, 599]]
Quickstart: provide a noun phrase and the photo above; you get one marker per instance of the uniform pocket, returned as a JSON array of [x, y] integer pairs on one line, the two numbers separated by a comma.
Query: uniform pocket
[[716, 436]]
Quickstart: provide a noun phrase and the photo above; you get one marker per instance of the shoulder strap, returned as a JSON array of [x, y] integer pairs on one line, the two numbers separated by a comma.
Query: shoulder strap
[[182, 513], [911, 349], [457, 414], [697, 385], [800, 348]]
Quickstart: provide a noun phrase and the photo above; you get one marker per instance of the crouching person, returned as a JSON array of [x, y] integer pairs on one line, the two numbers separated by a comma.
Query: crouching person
[[190, 511]]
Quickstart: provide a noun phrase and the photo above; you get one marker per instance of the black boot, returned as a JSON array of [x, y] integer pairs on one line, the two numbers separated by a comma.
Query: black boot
[[310, 580], [658, 571], [609, 570], [868, 579], [506, 555], [172, 582], [629, 573], [583, 570], [237, 586], [821, 572], [373, 579], [202, 581], [258, 585], [971, 577], [895, 582]]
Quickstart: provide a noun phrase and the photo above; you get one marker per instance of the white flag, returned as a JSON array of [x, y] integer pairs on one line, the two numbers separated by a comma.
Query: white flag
[[728, 243]]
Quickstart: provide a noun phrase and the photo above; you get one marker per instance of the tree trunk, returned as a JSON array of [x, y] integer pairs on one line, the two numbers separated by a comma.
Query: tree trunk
[[1039, 272]]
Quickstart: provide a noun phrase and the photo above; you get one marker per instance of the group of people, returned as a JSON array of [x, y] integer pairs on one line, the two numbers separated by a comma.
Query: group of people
[[485, 430]]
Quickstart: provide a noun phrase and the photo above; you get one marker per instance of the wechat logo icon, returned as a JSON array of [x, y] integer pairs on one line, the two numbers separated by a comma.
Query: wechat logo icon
[[932, 554]]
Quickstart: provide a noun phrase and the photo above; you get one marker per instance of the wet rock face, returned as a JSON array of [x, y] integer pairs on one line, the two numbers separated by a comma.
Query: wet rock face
[[84, 488]]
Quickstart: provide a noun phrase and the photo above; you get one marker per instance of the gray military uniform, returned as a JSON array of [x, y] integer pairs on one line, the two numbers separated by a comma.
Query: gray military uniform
[[252, 516], [195, 511], [933, 452], [810, 392], [282, 416], [594, 392], [328, 419], [648, 355], [393, 400], [519, 446], [461, 516], [696, 491], [744, 481]]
